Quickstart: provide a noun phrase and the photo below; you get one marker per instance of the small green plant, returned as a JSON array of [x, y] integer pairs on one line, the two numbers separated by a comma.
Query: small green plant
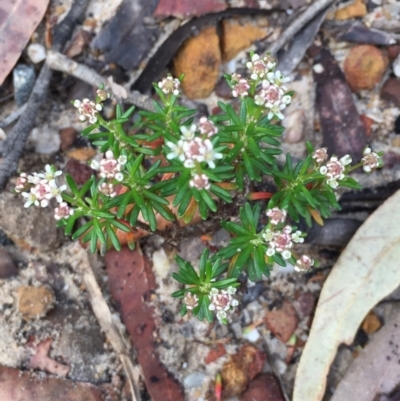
[[167, 166]]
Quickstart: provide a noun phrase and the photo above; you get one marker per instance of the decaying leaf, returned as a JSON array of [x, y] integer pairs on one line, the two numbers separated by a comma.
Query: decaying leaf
[[366, 272], [376, 370], [25, 386], [131, 283], [341, 127], [188, 8], [18, 20]]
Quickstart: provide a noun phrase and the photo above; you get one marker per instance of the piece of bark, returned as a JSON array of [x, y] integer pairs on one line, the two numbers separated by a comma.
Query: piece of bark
[[24, 386], [341, 127], [265, 387], [289, 58], [132, 283], [377, 369], [188, 8], [359, 33], [161, 58], [125, 39]]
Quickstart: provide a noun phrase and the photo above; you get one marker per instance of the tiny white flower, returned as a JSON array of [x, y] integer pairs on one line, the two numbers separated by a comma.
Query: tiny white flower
[[31, 199], [177, 150], [231, 290], [119, 176], [286, 254], [332, 183], [270, 252], [94, 164], [122, 160], [188, 134], [221, 315], [323, 170], [345, 160]]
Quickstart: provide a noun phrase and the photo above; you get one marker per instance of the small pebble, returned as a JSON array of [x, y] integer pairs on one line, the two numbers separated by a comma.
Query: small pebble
[[194, 380], [364, 67], [34, 302], [36, 52], [45, 139], [252, 335], [24, 81]]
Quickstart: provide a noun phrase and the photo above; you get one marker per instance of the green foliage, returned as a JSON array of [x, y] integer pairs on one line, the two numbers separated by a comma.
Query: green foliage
[[161, 165]]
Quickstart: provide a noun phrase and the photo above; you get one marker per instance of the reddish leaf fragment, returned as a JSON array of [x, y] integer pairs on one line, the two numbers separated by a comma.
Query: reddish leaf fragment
[[24, 386], [341, 127], [188, 8], [132, 283], [282, 321], [215, 353], [18, 21], [265, 387], [40, 360]]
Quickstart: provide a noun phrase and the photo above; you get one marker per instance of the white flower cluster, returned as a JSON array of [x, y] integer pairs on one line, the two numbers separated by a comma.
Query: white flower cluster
[[272, 95], [109, 168], [222, 301], [272, 92], [280, 240], [303, 264], [191, 149], [335, 169], [88, 110], [371, 160], [42, 188], [170, 85], [258, 67]]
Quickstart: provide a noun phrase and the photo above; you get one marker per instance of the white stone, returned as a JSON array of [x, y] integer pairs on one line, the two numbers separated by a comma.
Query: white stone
[[161, 263], [45, 139], [252, 335], [36, 52], [194, 380]]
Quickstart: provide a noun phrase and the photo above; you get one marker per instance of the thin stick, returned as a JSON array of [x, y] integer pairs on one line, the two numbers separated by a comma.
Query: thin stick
[[80, 262], [298, 24], [59, 62], [14, 144]]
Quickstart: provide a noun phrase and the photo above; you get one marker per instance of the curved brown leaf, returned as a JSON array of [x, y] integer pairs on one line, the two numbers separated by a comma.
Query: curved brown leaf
[[18, 21]]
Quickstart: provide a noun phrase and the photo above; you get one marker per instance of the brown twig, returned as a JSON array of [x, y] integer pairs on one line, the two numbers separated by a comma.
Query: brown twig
[[14, 144]]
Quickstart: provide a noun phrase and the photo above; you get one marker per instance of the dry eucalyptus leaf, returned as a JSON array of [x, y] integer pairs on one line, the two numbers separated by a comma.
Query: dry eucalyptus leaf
[[18, 21], [376, 370], [366, 272]]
